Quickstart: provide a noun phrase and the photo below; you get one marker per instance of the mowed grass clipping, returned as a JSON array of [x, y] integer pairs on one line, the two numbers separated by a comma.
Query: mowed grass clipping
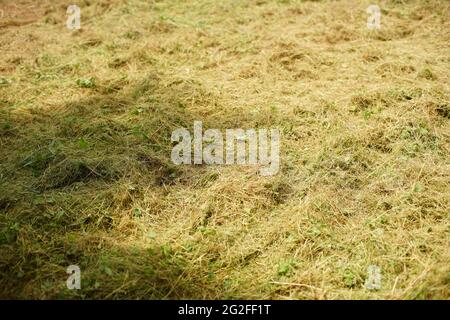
[[86, 176]]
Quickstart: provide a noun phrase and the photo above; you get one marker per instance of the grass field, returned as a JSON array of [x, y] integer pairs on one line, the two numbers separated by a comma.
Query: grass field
[[86, 177]]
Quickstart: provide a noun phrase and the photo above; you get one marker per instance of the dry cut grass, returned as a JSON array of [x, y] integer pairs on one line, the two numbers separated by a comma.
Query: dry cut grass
[[85, 170]]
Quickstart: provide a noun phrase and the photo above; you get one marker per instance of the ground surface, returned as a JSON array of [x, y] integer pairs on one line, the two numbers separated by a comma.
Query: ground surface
[[85, 170]]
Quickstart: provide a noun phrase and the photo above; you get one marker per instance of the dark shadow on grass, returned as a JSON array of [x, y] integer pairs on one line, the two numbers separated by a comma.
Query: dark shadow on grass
[[68, 169]]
